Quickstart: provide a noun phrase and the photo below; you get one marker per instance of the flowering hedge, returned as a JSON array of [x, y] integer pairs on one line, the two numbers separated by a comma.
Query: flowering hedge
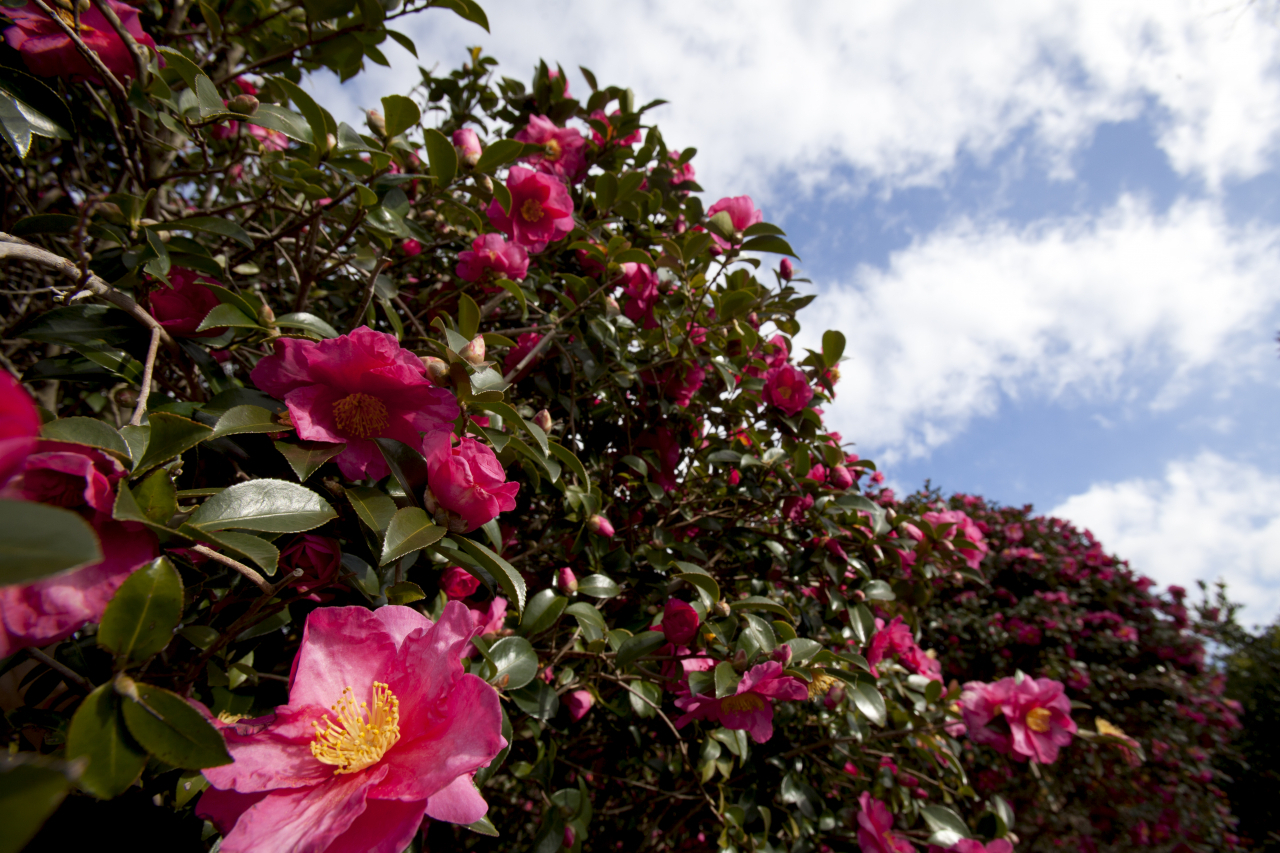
[[454, 483]]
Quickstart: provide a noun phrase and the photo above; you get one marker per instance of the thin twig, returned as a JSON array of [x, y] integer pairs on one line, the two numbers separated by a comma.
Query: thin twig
[[70, 676], [147, 370], [258, 580], [529, 357], [358, 320]]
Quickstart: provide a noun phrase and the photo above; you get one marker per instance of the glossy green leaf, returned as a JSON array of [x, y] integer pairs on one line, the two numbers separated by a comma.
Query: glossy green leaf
[[759, 602], [227, 317], [867, 699], [242, 545], [29, 793], [947, 827], [284, 120], [832, 346], [566, 456], [211, 225], [156, 497], [727, 679], [375, 507], [246, 419], [515, 663], [878, 590], [542, 611], [405, 592], [169, 436], [468, 316], [87, 431], [140, 619], [272, 506], [408, 466], [98, 734], [409, 530], [802, 650], [306, 457], [308, 323], [499, 153], [443, 156], [38, 540], [598, 586], [176, 733], [706, 585], [769, 243], [646, 642], [511, 580], [400, 114], [586, 615], [311, 111]]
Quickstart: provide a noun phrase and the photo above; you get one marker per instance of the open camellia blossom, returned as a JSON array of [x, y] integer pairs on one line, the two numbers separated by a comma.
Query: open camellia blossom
[[562, 153], [742, 212], [895, 639], [492, 257], [751, 706], [81, 479], [875, 828], [19, 426], [541, 209], [182, 307], [963, 528], [467, 481], [49, 52], [786, 387], [382, 729], [355, 388], [1036, 710]]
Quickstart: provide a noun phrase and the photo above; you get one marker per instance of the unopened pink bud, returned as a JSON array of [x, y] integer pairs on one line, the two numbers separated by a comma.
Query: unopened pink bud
[[782, 654], [611, 308], [543, 420], [600, 525], [569, 836], [437, 370], [376, 122], [467, 144], [568, 580], [840, 477], [785, 270], [474, 351]]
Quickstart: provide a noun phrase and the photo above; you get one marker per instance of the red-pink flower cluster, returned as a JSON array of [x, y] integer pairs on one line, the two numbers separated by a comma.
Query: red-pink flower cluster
[[562, 149], [541, 210], [1035, 710]]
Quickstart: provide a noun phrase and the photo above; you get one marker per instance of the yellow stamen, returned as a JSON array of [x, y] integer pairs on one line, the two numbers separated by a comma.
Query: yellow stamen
[[1038, 719], [229, 718], [742, 702], [360, 415], [553, 150], [352, 744], [531, 210], [784, 392], [821, 685], [1105, 728]]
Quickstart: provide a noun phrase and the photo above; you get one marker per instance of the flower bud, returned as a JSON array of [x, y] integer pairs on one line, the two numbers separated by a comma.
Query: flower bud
[[467, 144], [600, 526], [782, 654], [266, 316], [376, 122], [568, 580], [611, 308], [437, 370], [473, 353], [722, 609], [858, 595], [569, 836], [740, 660], [246, 105], [840, 477], [785, 270], [543, 420]]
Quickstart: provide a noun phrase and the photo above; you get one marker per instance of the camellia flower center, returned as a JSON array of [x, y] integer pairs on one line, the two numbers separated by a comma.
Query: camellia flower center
[[1038, 719], [553, 150], [742, 702], [361, 736], [531, 210], [360, 415], [784, 392]]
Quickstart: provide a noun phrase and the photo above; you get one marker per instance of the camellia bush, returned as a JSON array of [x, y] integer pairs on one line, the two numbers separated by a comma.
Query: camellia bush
[[456, 482]]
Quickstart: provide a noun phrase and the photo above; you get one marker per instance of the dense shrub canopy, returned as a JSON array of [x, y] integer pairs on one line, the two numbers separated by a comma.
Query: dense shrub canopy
[[459, 483]]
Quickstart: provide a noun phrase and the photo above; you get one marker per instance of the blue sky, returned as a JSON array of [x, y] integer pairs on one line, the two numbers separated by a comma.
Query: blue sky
[[1050, 231]]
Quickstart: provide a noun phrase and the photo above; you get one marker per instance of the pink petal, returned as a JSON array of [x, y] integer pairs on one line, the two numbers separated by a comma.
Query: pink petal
[[224, 808], [400, 622], [277, 756], [311, 410], [457, 802], [341, 647], [362, 459], [303, 820], [386, 826], [285, 370]]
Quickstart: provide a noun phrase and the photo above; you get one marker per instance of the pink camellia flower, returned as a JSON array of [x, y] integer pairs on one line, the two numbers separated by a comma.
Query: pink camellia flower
[[352, 389], [787, 388], [272, 140], [973, 845], [541, 210], [81, 479], [182, 307], [19, 426], [1037, 712], [467, 144], [466, 481], [742, 212], [579, 702], [49, 52], [640, 284], [319, 558], [875, 828], [750, 707], [609, 135], [680, 174], [457, 582], [491, 257], [562, 149], [964, 527], [794, 509], [382, 729], [600, 526], [679, 622], [567, 580], [896, 639], [683, 383], [489, 618], [525, 344]]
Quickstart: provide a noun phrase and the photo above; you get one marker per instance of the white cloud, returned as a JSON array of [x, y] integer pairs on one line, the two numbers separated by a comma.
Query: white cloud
[[1082, 308], [1209, 518], [899, 90]]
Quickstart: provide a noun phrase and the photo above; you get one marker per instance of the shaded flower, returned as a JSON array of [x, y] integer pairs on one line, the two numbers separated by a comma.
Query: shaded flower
[[491, 257], [457, 582], [640, 285], [352, 389], [329, 772], [680, 174], [679, 622], [541, 210], [319, 558], [787, 388], [751, 706], [1037, 712], [19, 426], [49, 52], [489, 618], [562, 149], [610, 134], [578, 702], [525, 344], [272, 140], [182, 307], [875, 828], [466, 480], [896, 639]]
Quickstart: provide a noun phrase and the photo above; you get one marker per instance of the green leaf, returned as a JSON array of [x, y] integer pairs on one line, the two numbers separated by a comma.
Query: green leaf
[[285, 121], [498, 154], [758, 602], [542, 611], [706, 585], [515, 663], [38, 540], [98, 735], [242, 419], [14, 125], [468, 316], [272, 506], [157, 498], [179, 735], [878, 590], [408, 466], [87, 431], [484, 826], [211, 225], [503, 197], [802, 650], [726, 680], [769, 243], [374, 507], [311, 111], [862, 623], [598, 586], [646, 642], [400, 114], [606, 190], [184, 67], [443, 156], [29, 793], [405, 592], [170, 435], [537, 699], [306, 457], [758, 633], [227, 317], [566, 456], [255, 548], [505, 573], [307, 323], [948, 828], [867, 699], [409, 530], [586, 615], [832, 346], [468, 10], [140, 619]]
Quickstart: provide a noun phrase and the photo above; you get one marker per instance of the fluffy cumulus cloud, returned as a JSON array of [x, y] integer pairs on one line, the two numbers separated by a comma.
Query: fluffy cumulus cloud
[[1208, 518], [895, 92], [1131, 307]]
